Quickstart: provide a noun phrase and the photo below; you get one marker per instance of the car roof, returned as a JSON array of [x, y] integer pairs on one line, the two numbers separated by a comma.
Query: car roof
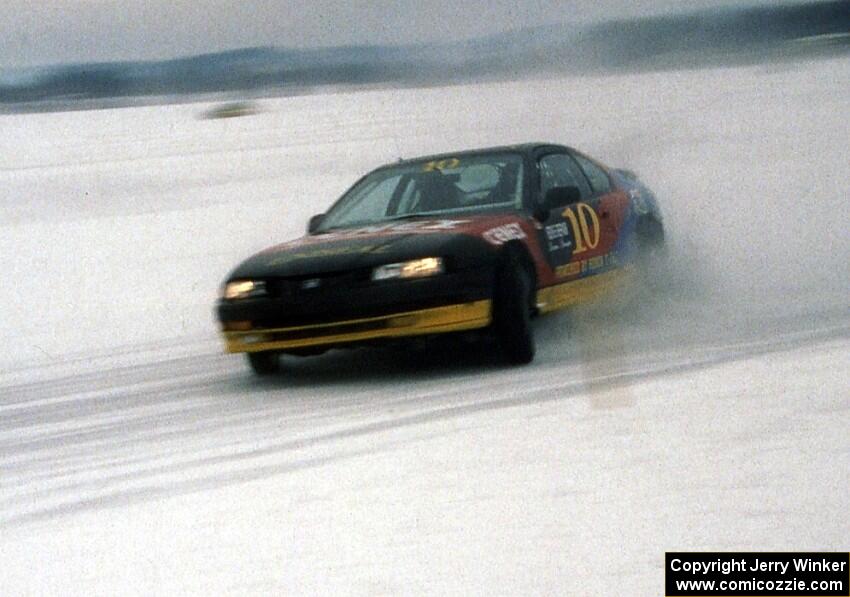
[[524, 148]]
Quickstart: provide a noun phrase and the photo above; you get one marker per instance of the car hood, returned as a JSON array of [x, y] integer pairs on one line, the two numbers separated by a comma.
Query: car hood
[[360, 248]]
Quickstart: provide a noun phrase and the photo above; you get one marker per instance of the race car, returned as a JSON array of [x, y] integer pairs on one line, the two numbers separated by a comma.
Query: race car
[[473, 241]]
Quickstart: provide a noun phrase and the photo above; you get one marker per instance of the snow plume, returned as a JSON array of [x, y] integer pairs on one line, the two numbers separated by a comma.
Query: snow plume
[[749, 165]]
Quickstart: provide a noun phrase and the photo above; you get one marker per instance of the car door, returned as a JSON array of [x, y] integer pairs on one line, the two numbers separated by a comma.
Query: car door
[[571, 234], [613, 209]]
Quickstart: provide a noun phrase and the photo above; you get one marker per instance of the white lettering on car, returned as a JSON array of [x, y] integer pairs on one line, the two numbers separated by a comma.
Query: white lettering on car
[[443, 224], [558, 236], [502, 234], [427, 226]]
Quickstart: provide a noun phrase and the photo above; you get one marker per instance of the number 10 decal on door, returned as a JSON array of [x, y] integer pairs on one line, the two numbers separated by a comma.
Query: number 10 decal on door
[[585, 225]]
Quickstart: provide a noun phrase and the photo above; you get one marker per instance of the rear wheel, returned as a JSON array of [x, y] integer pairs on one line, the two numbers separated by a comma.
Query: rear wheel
[[512, 311], [652, 257], [264, 363], [650, 241]]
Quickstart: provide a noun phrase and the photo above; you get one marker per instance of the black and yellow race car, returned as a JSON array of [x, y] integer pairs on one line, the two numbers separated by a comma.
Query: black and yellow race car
[[474, 240]]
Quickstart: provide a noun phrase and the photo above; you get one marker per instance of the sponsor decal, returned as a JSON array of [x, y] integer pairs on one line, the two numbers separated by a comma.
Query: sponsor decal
[[308, 253], [579, 231], [502, 234], [558, 236], [570, 269], [446, 164], [305, 251], [595, 263], [397, 227], [304, 244], [585, 226], [587, 266]]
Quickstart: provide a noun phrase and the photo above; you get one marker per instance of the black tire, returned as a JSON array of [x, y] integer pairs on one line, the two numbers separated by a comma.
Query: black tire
[[264, 363], [652, 259], [650, 239], [512, 304]]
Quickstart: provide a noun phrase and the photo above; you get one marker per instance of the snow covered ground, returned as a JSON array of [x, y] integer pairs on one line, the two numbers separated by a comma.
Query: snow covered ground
[[137, 459]]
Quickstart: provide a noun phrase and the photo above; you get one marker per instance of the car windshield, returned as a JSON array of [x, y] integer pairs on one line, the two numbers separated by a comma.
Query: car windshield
[[446, 186]]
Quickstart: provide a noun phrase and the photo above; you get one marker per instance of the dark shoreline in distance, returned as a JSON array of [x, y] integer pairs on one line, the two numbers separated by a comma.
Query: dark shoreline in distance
[[683, 41]]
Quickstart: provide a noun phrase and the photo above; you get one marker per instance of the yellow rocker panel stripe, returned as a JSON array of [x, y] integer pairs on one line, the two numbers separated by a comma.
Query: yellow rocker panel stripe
[[452, 318], [582, 290]]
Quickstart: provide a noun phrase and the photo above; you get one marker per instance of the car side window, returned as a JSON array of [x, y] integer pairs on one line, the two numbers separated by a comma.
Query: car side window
[[559, 170], [598, 178]]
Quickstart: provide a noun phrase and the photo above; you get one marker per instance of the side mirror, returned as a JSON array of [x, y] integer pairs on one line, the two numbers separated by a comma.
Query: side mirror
[[314, 223], [557, 197], [561, 197]]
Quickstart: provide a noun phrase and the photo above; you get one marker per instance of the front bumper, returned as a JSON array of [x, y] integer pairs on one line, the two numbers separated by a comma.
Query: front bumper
[[435, 320]]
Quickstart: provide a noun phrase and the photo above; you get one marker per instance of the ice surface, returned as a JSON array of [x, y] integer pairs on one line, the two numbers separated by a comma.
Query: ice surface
[[135, 458]]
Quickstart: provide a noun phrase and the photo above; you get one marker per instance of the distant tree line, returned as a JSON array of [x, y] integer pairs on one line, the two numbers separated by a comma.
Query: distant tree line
[[694, 39]]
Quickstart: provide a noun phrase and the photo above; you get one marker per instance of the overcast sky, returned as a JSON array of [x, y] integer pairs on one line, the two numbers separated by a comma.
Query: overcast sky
[[36, 32]]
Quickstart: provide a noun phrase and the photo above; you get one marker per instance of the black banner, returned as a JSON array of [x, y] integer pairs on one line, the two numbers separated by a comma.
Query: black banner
[[752, 574]]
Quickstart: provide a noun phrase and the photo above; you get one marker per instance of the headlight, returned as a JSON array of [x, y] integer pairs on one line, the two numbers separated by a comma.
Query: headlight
[[244, 289], [418, 268]]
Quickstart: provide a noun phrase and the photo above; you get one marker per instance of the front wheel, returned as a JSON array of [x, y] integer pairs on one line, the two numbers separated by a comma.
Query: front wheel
[[264, 363], [512, 312]]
